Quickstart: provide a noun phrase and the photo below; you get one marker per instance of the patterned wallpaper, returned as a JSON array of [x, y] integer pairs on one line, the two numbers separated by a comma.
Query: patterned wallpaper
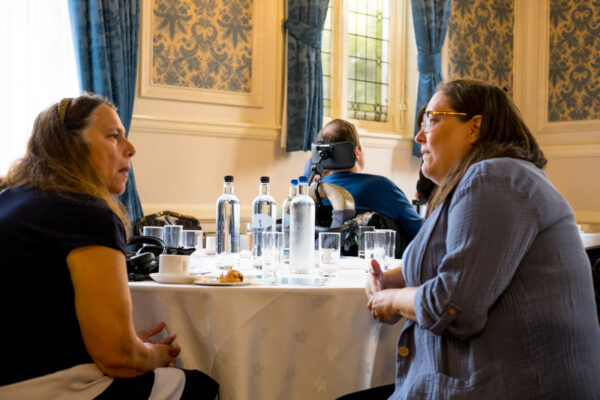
[[203, 44], [574, 54], [480, 41]]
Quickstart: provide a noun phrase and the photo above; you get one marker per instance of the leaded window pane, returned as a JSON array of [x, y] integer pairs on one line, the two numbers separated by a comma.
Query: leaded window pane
[[368, 58]]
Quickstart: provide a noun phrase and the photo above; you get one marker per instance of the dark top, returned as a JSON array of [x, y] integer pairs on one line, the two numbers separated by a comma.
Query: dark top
[[40, 331], [378, 193]]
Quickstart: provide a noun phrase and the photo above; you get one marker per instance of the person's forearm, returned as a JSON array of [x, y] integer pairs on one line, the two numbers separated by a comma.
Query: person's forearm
[[405, 303], [131, 360], [394, 278]]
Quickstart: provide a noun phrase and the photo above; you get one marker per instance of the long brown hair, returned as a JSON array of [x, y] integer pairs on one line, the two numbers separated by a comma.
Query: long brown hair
[[502, 132], [58, 155]]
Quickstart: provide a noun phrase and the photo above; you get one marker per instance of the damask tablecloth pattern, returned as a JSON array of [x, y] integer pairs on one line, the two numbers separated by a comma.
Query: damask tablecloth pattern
[[274, 342]]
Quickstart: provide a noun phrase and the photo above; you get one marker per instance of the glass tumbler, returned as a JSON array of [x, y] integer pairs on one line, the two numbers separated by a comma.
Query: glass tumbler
[[361, 239], [191, 239], [272, 253], [173, 235], [389, 246], [154, 231], [329, 253], [374, 248]]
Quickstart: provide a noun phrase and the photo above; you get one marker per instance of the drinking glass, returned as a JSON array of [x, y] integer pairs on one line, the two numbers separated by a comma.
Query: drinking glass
[[374, 248], [191, 239], [389, 246], [329, 253], [272, 253], [173, 235], [154, 231], [361, 239]]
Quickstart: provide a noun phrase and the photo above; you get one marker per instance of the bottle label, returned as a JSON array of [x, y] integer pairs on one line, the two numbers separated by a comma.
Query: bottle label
[[262, 221], [286, 220]]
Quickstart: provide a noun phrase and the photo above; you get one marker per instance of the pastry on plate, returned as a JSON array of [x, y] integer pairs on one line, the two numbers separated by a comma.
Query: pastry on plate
[[231, 275]]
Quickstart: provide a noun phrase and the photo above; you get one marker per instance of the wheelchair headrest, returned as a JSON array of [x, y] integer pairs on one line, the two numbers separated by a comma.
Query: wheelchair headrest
[[332, 156]]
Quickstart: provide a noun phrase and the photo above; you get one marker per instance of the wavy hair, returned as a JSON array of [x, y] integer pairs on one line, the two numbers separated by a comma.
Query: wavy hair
[[502, 132], [58, 154]]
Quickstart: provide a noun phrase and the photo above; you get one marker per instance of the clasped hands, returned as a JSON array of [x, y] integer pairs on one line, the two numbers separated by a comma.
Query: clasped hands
[[381, 302], [168, 351]]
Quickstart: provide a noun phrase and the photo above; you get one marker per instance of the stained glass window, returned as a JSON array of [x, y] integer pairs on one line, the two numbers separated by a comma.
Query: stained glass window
[[368, 59], [326, 50]]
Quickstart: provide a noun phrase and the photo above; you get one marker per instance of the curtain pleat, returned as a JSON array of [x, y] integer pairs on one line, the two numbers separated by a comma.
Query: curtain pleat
[[304, 26], [430, 20], [105, 35]]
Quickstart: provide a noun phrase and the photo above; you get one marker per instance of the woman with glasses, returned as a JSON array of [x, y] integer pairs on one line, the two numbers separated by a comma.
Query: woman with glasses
[[496, 287], [67, 320]]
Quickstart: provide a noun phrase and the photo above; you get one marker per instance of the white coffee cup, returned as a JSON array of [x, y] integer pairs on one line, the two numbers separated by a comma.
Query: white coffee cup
[[173, 264], [211, 243]]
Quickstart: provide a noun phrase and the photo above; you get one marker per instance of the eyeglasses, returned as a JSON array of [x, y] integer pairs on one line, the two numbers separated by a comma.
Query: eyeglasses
[[427, 123]]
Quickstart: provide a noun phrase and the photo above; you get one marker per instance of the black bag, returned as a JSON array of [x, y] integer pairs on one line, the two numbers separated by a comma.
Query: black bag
[[166, 217]]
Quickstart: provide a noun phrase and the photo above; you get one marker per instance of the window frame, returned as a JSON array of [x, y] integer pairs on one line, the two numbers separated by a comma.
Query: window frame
[[397, 96]]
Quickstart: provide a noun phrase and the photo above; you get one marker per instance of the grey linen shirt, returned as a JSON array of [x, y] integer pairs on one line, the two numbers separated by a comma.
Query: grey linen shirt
[[505, 304]]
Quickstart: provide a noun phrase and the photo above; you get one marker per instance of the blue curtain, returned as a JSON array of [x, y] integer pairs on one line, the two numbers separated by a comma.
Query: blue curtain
[[430, 18], [105, 33], [304, 76]]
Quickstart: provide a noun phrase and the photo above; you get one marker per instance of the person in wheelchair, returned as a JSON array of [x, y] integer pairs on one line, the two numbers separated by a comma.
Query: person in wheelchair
[[372, 193]]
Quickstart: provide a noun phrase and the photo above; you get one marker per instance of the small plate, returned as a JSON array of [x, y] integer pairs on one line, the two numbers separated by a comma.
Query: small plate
[[164, 278], [214, 282]]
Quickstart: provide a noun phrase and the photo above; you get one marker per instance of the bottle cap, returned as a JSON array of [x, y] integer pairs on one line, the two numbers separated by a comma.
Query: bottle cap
[[228, 178], [294, 182], [302, 179], [264, 179]]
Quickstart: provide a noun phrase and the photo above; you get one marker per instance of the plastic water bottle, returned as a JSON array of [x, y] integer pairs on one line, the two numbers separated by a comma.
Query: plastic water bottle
[[228, 226], [285, 219], [302, 230], [264, 211]]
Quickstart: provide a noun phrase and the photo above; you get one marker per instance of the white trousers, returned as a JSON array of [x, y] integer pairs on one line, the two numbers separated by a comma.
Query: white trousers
[[86, 381]]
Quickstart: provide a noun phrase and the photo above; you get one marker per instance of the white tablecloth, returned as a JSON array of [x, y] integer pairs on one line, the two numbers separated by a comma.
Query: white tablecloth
[[275, 342]]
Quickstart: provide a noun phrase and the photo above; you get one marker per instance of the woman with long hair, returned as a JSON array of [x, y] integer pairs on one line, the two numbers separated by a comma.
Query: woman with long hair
[[68, 324]]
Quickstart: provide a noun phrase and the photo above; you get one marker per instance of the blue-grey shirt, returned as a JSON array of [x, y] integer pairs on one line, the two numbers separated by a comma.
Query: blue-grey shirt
[[505, 304]]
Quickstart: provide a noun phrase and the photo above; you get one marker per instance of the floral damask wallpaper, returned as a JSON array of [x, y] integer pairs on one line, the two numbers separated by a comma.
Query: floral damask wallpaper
[[480, 41], [574, 60], [203, 44]]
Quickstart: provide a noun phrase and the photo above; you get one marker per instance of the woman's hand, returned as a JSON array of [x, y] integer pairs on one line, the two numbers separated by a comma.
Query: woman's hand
[[392, 304], [172, 350], [146, 334], [382, 307], [376, 279]]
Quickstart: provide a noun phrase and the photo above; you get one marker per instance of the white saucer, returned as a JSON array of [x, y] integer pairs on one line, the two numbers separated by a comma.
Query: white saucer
[[164, 278], [211, 282]]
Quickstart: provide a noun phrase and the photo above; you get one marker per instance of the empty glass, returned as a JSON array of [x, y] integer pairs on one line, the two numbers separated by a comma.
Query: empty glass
[[361, 241], [374, 248], [191, 239], [272, 253], [389, 246], [329, 253], [153, 231], [173, 235]]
